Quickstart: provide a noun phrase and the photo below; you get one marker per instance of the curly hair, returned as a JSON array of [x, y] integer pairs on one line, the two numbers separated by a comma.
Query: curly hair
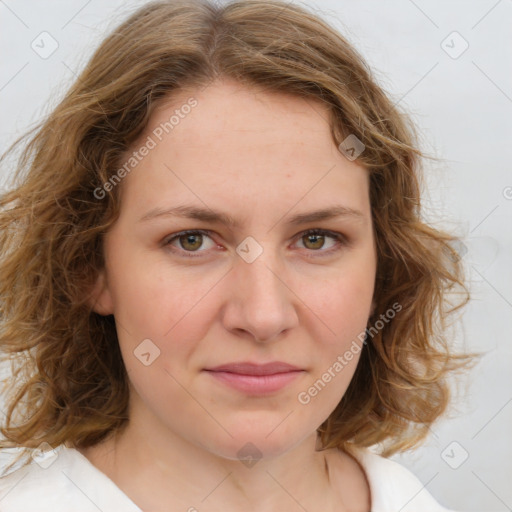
[[68, 382]]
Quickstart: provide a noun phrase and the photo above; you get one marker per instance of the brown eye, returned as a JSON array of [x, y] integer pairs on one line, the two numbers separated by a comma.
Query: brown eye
[[317, 241], [313, 241], [190, 242]]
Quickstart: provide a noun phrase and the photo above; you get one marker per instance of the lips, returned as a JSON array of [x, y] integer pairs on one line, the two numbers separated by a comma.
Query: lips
[[255, 369], [255, 379]]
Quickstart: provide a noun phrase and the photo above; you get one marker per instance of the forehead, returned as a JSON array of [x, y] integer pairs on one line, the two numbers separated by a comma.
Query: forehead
[[238, 145]]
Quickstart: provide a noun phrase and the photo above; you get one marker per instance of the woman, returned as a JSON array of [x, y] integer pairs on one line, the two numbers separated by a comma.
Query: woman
[[227, 293]]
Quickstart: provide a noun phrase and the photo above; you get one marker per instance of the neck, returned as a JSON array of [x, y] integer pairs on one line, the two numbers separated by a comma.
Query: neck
[[188, 477]]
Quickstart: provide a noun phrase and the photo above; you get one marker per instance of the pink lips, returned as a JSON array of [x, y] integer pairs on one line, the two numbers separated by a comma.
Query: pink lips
[[256, 379]]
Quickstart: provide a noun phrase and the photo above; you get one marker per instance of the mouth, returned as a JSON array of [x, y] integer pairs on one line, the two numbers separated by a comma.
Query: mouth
[[255, 379]]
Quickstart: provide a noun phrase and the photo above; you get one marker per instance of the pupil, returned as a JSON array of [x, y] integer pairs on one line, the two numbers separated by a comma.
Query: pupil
[[189, 239], [317, 240]]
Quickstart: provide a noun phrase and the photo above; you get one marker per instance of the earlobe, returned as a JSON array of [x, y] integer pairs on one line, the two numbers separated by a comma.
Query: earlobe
[[101, 299]]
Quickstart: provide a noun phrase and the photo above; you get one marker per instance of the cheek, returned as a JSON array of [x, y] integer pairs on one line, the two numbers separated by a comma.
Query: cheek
[[341, 305], [162, 304], [342, 312]]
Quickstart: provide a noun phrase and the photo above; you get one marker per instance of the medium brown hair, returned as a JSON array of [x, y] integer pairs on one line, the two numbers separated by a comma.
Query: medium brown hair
[[69, 384]]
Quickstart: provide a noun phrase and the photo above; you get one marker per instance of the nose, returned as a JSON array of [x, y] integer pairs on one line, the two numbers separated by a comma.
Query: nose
[[260, 304]]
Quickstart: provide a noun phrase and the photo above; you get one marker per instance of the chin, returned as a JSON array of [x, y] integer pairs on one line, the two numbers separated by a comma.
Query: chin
[[252, 441]]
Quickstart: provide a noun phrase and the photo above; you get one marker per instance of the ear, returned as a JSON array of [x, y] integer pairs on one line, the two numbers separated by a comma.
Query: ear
[[101, 297]]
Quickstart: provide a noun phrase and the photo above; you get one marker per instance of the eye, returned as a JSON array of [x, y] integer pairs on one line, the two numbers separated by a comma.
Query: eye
[[315, 239], [189, 242]]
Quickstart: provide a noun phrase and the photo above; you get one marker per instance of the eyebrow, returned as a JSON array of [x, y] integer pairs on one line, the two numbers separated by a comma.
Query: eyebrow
[[216, 217]]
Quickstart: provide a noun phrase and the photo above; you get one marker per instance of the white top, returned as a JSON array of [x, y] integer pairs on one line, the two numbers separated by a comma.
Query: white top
[[65, 480]]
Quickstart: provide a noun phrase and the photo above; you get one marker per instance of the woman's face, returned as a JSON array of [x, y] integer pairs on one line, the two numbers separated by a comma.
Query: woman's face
[[198, 315]]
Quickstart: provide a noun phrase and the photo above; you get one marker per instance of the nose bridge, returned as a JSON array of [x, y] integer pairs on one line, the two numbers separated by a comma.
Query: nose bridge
[[256, 263], [260, 279], [261, 303]]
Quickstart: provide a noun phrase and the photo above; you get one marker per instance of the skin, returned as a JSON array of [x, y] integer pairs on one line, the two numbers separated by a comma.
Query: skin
[[260, 157]]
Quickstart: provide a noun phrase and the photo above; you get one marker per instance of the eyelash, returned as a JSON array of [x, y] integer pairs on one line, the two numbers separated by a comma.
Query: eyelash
[[340, 238]]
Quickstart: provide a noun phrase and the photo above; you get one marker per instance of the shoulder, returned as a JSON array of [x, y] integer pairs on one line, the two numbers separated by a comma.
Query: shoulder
[[60, 480], [393, 487]]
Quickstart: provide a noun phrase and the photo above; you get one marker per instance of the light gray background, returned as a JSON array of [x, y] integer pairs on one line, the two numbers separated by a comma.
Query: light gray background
[[463, 107]]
